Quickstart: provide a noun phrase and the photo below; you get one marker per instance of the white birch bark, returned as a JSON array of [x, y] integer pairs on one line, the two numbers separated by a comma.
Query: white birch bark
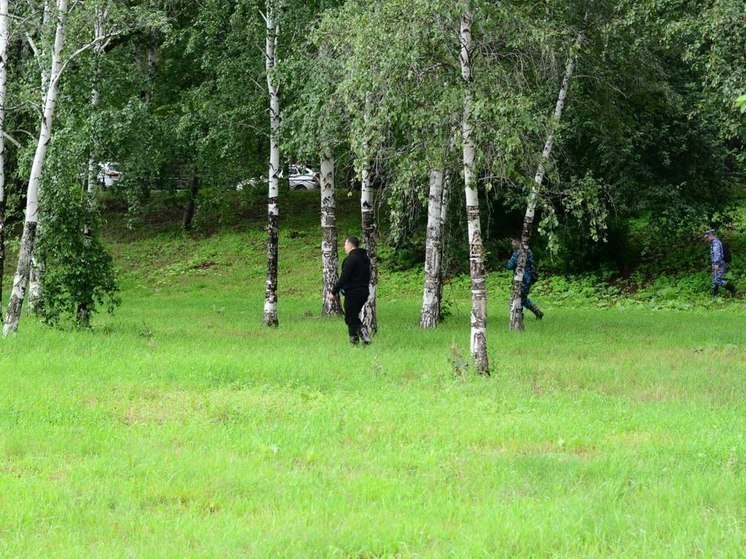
[[4, 37], [370, 239], [430, 314], [369, 316], [329, 251], [36, 272], [273, 214], [444, 239], [516, 309], [36, 277], [476, 254], [43, 75], [32, 199]]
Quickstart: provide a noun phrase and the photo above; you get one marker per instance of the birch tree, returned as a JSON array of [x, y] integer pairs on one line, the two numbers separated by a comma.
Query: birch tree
[[325, 129], [329, 241], [36, 271], [476, 253], [273, 213], [436, 216], [51, 78], [370, 239], [4, 38], [369, 225], [516, 309], [32, 196]]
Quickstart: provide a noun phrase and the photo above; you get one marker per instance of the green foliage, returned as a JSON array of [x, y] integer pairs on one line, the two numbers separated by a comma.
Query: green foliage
[[647, 152], [710, 37], [79, 278]]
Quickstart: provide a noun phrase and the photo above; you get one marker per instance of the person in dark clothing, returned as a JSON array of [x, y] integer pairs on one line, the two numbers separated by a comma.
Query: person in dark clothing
[[353, 284], [719, 264], [529, 277]]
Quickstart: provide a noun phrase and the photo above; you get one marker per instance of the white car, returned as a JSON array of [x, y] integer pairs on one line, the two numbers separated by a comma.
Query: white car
[[108, 174], [300, 177]]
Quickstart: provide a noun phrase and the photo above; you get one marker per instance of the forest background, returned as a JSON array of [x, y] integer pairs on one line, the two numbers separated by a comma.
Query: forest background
[[185, 423]]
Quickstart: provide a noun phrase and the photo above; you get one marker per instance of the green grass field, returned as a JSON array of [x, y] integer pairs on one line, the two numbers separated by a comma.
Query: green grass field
[[180, 427]]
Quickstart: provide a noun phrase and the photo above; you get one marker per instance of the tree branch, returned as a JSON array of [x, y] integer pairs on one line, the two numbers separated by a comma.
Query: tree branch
[[81, 50], [32, 44], [29, 134], [12, 140]]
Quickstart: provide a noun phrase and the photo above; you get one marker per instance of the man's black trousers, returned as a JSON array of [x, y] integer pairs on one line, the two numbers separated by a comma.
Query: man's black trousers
[[354, 303]]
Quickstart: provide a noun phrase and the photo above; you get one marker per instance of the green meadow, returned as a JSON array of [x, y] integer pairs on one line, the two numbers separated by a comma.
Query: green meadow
[[180, 427]]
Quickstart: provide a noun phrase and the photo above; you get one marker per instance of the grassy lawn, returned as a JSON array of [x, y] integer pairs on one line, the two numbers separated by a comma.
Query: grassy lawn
[[180, 427]]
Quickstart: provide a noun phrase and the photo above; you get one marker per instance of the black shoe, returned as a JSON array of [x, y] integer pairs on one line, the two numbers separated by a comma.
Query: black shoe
[[354, 340], [364, 335], [538, 313]]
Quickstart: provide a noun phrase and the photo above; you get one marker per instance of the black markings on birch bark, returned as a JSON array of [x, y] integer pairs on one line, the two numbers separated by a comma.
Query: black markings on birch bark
[[32, 195], [329, 254], [270, 317], [432, 291], [20, 279], [476, 261]]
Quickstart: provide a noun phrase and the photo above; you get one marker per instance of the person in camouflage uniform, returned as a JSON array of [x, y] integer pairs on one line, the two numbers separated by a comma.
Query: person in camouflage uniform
[[719, 265], [529, 277]]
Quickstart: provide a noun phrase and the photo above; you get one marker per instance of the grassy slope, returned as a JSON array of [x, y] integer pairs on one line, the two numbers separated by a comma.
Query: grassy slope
[[181, 427]]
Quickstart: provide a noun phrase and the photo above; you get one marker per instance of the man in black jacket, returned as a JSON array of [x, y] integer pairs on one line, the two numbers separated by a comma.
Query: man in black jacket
[[353, 284]]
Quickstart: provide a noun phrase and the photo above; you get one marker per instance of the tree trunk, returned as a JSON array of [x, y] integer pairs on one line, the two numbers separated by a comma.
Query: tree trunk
[[516, 308], [36, 278], [32, 198], [370, 240], [36, 271], [273, 213], [444, 239], [186, 222], [4, 36], [430, 314], [476, 253], [329, 255], [369, 316], [15, 304]]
